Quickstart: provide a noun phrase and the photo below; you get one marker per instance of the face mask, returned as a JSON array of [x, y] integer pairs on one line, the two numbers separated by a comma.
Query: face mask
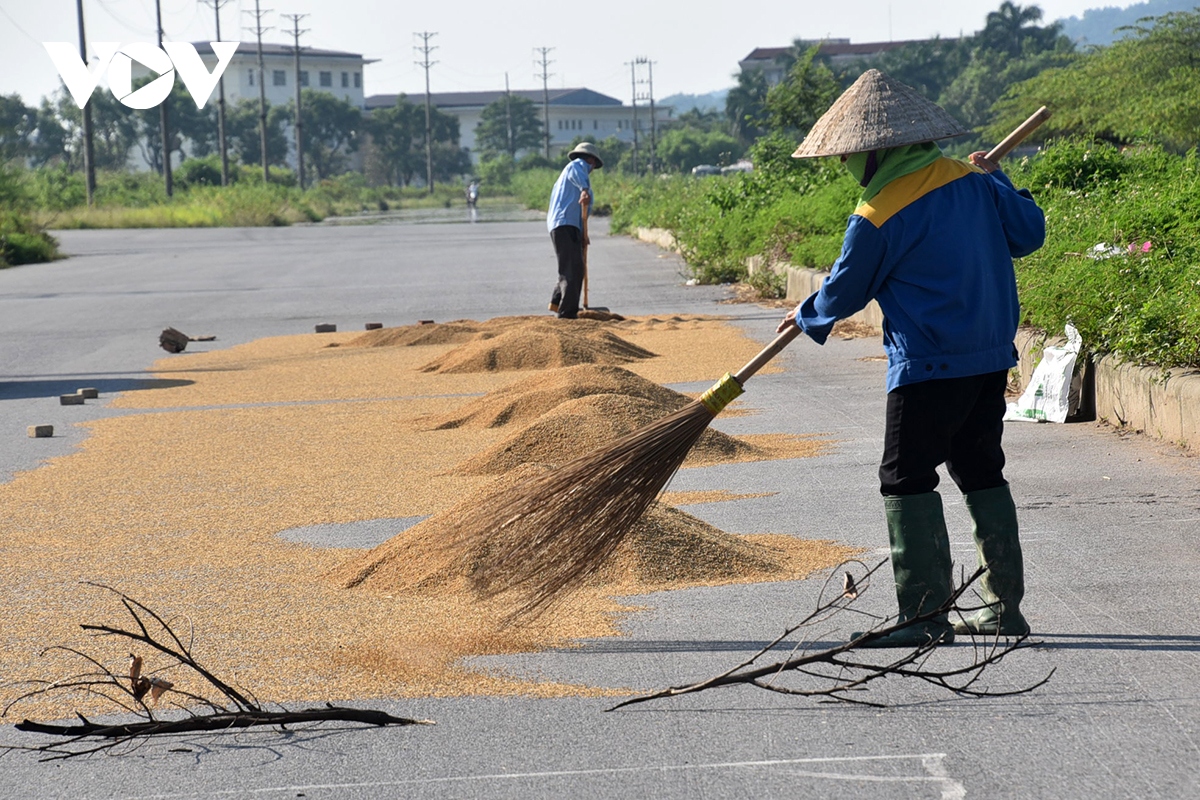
[[862, 167]]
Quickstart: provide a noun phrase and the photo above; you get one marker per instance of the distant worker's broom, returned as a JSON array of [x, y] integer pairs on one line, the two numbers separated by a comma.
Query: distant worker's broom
[[545, 538]]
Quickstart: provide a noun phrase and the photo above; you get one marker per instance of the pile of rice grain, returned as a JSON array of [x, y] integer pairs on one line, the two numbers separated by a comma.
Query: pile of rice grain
[[666, 548], [529, 398], [579, 426], [538, 346]]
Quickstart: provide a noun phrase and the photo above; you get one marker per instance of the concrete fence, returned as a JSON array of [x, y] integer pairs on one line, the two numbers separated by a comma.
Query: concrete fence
[[1165, 406]]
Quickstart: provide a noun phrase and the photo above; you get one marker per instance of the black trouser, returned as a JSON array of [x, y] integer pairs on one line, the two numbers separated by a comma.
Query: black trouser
[[957, 422], [568, 245]]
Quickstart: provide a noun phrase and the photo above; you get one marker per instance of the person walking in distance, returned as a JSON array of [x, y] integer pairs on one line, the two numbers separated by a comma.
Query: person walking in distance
[[933, 241], [569, 203]]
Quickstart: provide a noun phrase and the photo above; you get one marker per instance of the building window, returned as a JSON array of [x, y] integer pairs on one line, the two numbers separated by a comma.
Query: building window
[[304, 77], [358, 80], [279, 77], [327, 79], [595, 124], [560, 124], [250, 72], [345, 80]]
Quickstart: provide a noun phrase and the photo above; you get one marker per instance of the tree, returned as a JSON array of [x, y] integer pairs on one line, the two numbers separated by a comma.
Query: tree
[[1012, 30], [700, 120], [928, 66], [330, 130], [804, 94], [1143, 87], [57, 134], [744, 106], [509, 125], [681, 149], [187, 124], [241, 130], [394, 132], [398, 142], [17, 122]]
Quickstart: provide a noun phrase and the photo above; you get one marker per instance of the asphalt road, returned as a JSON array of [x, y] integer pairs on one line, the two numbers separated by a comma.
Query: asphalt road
[[1109, 522]]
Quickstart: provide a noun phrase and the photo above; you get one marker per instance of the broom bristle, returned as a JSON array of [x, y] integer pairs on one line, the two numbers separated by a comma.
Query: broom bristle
[[543, 540]]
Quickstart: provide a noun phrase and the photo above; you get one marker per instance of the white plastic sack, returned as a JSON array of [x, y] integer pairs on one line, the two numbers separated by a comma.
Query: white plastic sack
[[1047, 398]]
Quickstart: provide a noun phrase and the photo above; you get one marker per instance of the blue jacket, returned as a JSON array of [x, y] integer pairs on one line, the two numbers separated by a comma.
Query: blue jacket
[[935, 249], [564, 199]]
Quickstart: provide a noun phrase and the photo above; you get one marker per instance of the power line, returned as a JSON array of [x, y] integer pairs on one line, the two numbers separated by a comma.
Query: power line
[[425, 49], [545, 76], [17, 25]]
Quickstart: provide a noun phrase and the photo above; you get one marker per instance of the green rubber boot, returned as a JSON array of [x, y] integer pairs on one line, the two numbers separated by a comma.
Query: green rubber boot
[[922, 568], [1003, 585]]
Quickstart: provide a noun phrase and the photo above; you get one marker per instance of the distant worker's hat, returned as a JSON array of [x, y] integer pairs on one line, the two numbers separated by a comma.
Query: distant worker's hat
[[877, 112], [586, 149]]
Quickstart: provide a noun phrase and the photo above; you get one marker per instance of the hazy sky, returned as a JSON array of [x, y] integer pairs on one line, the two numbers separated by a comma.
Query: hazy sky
[[695, 44]]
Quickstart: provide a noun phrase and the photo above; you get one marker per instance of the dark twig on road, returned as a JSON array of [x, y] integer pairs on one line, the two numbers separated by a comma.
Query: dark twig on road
[[841, 671], [139, 694]]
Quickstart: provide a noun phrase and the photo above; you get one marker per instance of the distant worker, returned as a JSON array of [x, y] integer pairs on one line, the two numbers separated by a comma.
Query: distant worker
[[473, 193], [569, 204], [933, 241]]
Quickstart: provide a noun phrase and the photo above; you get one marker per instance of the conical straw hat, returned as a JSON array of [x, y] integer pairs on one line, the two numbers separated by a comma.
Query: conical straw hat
[[877, 112]]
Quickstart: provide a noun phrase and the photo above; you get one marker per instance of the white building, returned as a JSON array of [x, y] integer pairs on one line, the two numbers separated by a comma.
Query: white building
[[573, 113], [333, 71]]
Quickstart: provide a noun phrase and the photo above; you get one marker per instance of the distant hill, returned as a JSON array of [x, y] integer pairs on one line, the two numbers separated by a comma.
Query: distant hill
[[713, 101], [1097, 25]]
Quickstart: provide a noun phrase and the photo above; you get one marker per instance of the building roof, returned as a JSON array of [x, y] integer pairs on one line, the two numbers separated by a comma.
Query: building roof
[[835, 47], [251, 48], [558, 97]]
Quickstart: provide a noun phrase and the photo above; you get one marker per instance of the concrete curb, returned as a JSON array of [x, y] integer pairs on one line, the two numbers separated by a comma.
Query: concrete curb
[[1127, 396]]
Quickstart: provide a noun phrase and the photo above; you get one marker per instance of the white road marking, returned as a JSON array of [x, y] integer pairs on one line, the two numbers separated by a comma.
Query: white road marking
[[932, 762]]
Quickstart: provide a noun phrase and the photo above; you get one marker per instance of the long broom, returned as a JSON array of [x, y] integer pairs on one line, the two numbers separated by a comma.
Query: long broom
[[545, 538]]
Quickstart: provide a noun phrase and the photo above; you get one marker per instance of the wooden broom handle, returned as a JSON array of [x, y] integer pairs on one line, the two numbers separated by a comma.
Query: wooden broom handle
[[1017, 136], [767, 353], [584, 211]]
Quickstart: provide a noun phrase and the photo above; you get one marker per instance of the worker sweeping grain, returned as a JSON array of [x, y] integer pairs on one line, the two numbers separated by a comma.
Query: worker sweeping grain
[[544, 539], [932, 241], [569, 203]]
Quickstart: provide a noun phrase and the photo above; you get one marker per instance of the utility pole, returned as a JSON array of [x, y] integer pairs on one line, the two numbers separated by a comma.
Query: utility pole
[[259, 30], [89, 151], [633, 82], [163, 129], [512, 151], [545, 76], [215, 5], [295, 18], [649, 95], [425, 50]]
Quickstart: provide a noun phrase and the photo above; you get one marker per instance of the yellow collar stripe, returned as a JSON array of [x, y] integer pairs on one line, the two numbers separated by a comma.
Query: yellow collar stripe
[[909, 188]]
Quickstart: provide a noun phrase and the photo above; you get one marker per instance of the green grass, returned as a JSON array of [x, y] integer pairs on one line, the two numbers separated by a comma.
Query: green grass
[[1142, 305]]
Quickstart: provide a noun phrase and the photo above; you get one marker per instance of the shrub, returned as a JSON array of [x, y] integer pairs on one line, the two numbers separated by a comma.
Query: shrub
[[22, 242]]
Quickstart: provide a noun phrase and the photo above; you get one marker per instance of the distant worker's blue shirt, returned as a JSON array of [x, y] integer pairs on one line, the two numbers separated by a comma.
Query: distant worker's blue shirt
[[934, 248], [564, 199]]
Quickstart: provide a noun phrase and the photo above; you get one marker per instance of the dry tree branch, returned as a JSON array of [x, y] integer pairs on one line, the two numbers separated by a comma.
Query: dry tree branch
[[232, 709], [839, 669]]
